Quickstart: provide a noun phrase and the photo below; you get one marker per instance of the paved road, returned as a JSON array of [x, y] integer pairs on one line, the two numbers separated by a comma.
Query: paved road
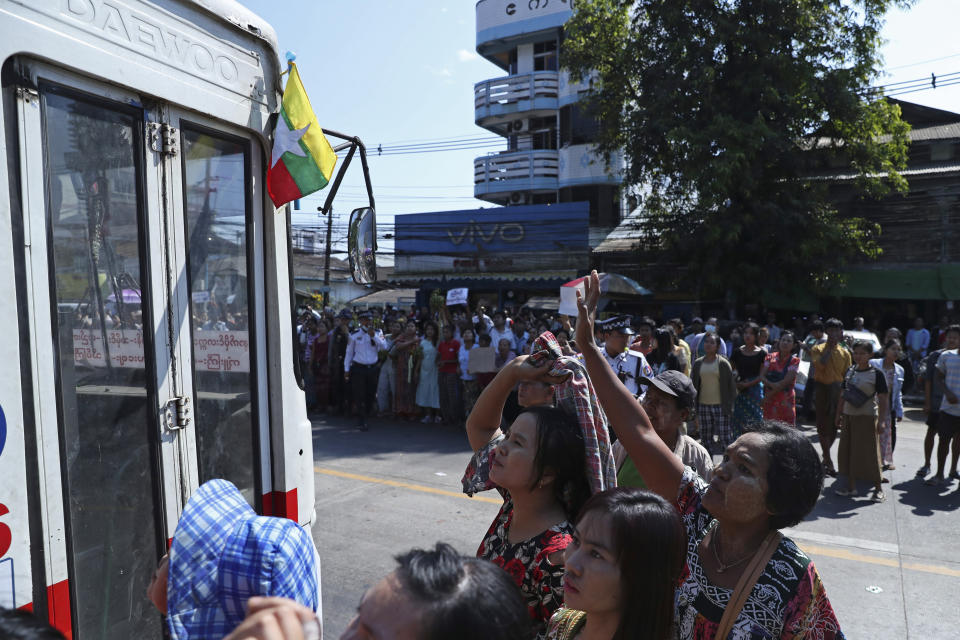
[[891, 570]]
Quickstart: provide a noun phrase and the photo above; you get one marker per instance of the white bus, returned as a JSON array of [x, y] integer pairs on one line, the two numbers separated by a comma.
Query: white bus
[[148, 335]]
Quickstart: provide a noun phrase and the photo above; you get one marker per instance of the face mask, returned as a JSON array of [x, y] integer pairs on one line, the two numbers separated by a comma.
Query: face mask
[[709, 327]]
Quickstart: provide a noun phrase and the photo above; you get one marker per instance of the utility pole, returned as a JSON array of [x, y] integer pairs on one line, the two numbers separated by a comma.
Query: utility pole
[[326, 260]]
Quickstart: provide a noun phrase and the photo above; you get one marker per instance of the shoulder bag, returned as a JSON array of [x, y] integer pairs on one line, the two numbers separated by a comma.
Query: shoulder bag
[[746, 583], [854, 394]]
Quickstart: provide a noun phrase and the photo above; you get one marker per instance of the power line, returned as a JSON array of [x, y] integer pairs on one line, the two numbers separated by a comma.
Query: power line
[[917, 64]]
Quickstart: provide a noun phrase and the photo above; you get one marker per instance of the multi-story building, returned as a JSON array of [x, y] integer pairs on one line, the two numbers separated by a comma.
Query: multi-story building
[[550, 156]]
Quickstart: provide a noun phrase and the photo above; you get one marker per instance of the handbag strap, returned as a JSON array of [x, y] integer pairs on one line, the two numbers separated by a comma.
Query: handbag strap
[[746, 582]]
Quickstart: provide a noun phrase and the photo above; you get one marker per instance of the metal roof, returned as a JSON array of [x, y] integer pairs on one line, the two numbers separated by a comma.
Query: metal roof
[[626, 236]]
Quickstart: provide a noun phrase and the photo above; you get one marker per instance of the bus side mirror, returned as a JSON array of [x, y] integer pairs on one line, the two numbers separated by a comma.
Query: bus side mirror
[[362, 245]]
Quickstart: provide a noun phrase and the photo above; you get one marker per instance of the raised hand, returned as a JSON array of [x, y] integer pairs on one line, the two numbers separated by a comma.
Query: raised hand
[[521, 369], [587, 310]]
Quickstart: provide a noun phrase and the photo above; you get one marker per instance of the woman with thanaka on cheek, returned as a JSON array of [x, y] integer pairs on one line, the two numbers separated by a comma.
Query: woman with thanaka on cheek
[[622, 568], [744, 579]]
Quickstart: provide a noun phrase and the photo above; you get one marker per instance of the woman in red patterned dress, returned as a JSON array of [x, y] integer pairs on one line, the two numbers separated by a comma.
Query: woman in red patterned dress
[[539, 470], [778, 375]]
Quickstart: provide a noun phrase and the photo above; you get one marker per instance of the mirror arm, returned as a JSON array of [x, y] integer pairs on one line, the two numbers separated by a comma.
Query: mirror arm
[[328, 203], [337, 134], [327, 207], [366, 173]]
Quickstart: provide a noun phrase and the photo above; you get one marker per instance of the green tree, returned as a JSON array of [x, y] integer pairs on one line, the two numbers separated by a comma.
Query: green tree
[[730, 113]]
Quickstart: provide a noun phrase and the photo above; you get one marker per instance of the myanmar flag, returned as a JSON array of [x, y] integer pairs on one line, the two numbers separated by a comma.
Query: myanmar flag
[[303, 159]]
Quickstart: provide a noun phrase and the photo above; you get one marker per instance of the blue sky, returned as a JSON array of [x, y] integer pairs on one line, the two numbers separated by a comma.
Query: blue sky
[[402, 71]]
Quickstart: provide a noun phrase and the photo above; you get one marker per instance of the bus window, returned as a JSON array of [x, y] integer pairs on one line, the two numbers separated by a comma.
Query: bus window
[[217, 215], [93, 199]]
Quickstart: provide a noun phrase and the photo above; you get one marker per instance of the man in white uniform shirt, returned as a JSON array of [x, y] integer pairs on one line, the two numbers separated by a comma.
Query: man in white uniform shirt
[[360, 366], [629, 365]]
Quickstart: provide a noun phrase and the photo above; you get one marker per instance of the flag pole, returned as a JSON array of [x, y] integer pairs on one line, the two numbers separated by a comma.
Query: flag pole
[[291, 56]]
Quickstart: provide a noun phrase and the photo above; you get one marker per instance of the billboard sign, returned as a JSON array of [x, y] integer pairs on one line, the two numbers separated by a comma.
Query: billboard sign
[[502, 239]]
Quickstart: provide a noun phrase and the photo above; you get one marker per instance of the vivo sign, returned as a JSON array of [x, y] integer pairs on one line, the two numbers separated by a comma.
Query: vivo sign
[[479, 234], [507, 230]]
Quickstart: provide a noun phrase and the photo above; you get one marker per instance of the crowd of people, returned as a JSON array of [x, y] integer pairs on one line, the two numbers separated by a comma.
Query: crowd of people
[[645, 474], [603, 438]]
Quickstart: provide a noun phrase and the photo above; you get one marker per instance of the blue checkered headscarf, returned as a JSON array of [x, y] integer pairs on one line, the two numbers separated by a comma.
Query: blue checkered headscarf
[[223, 553]]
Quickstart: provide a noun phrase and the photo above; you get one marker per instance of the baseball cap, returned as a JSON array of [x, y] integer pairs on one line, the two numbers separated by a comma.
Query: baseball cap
[[676, 384]]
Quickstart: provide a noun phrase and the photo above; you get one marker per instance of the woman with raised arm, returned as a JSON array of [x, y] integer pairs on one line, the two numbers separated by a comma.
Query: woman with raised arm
[[745, 579], [544, 468]]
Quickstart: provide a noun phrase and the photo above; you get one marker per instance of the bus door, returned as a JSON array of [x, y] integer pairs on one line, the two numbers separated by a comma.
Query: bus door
[[217, 196], [113, 395]]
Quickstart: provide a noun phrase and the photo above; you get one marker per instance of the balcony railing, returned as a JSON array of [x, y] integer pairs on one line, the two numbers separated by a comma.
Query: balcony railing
[[517, 93], [517, 171]]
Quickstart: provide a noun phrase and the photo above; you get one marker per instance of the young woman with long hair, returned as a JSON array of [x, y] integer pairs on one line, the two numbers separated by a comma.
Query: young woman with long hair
[[622, 568], [665, 354]]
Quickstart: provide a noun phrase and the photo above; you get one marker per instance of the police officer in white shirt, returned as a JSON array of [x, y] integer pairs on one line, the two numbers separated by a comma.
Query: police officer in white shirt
[[630, 366], [360, 366]]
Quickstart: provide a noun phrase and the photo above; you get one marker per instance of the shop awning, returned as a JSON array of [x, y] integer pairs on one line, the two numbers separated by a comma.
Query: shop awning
[[393, 297], [532, 276], [543, 303], [937, 282]]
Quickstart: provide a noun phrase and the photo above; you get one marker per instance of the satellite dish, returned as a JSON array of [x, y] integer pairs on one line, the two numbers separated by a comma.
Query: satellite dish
[[362, 245]]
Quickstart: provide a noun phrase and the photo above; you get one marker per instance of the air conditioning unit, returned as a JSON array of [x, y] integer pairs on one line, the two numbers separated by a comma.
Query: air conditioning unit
[[518, 197], [517, 126]]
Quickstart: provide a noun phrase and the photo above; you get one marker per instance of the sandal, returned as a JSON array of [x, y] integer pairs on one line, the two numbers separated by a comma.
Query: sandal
[[845, 492], [935, 481], [878, 495], [829, 470], [923, 471]]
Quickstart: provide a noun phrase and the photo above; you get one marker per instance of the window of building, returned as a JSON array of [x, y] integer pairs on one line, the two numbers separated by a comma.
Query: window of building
[[604, 202], [539, 133], [577, 125], [545, 56]]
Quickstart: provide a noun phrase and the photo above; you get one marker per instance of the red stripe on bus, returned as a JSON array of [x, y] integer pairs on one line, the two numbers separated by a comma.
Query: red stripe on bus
[[58, 603], [280, 504], [58, 608]]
